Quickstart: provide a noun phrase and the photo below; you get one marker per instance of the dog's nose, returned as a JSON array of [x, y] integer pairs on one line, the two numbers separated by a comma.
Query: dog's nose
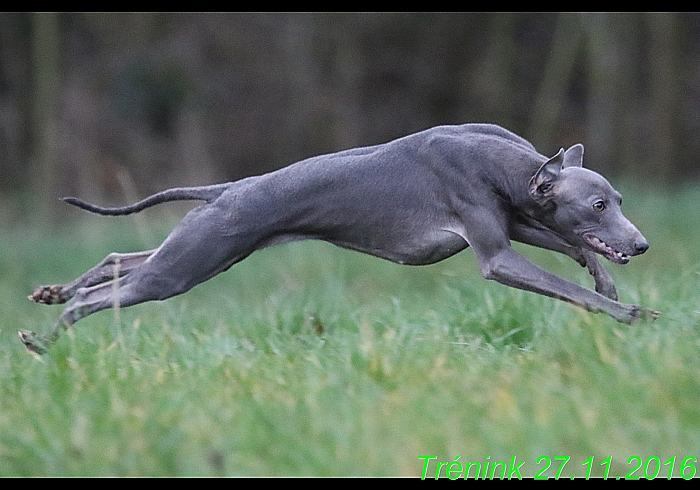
[[641, 246]]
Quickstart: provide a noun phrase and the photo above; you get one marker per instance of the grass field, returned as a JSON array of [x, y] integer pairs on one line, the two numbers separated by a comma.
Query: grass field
[[306, 359]]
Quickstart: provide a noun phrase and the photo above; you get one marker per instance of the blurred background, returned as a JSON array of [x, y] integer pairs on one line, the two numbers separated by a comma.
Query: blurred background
[[112, 107]]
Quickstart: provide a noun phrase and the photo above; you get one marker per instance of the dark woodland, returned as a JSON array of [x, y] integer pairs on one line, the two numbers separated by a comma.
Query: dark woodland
[[113, 106]]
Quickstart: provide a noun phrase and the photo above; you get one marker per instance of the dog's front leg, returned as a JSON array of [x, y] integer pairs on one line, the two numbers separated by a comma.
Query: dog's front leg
[[486, 233], [603, 281], [532, 233], [512, 269]]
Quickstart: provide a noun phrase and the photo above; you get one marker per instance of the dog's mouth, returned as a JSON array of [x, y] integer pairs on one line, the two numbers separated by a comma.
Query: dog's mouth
[[606, 250]]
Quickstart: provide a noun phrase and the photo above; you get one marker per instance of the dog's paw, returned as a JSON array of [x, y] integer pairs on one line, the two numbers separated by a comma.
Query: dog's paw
[[47, 295], [630, 314], [641, 313], [38, 344], [649, 314], [607, 289]]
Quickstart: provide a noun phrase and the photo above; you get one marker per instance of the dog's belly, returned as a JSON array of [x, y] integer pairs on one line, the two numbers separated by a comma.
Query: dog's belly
[[426, 248]]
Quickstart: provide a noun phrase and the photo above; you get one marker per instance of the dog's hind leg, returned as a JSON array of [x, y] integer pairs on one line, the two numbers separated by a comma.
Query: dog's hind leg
[[85, 301], [201, 246], [115, 264]]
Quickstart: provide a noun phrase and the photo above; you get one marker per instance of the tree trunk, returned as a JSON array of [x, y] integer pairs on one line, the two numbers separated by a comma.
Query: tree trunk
[[45, 109], [551, 96], [664, 92]]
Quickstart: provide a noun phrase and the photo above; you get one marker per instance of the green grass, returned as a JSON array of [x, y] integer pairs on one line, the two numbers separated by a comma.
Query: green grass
[[306, 359]]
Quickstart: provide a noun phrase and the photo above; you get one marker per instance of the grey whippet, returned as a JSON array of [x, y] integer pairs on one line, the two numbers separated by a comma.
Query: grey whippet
[[415, 200]]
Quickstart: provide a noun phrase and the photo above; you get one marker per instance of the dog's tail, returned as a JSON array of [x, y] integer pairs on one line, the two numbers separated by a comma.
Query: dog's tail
[[206, 193]]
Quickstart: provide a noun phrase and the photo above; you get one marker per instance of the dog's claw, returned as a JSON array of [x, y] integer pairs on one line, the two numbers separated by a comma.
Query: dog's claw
[[47, 295], [648, 314], [34, 342], [645, 314]]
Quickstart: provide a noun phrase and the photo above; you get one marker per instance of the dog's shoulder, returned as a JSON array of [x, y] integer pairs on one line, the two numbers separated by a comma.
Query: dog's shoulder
[[496, 132], [489, 139], [479, 133]]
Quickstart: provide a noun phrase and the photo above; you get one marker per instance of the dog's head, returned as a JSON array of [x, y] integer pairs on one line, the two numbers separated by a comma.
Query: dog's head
[[583, 208]]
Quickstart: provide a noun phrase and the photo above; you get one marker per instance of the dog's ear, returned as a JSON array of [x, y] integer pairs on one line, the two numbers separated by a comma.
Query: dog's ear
[[573, 157], [542, 183]]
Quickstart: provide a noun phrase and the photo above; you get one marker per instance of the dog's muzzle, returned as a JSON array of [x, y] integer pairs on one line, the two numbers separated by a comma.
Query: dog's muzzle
[[617, 256]]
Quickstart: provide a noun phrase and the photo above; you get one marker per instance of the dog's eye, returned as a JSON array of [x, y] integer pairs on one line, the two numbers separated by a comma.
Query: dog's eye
[[599, 205]]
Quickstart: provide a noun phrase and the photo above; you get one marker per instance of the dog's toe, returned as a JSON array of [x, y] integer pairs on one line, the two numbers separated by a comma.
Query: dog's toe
[[645, 314]]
